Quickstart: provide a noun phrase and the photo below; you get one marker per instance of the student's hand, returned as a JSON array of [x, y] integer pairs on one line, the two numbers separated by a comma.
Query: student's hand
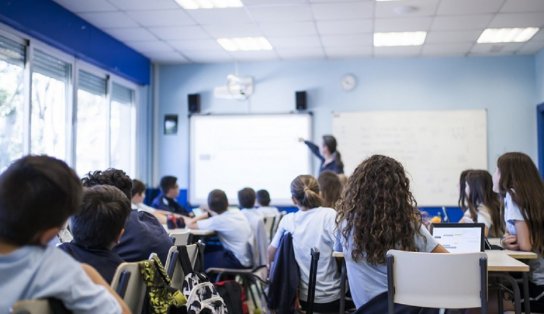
[[301, 139], [510, 242]]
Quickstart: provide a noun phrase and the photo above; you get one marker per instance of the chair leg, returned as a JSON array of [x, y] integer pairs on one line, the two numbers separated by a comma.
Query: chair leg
[[500, 297]]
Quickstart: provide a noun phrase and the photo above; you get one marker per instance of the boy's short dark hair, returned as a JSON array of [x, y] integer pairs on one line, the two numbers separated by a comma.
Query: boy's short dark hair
[[101, 217], [115, 177], [167, 183], [138, 187], [246, 198], [263, 197], [217, 201], [36, 193]]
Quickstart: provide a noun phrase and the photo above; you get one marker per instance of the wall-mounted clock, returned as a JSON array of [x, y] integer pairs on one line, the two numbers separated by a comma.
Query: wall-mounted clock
[[348, 82]]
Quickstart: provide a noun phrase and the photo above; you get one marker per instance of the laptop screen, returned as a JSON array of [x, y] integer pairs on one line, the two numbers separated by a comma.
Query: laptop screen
[[460, 237]]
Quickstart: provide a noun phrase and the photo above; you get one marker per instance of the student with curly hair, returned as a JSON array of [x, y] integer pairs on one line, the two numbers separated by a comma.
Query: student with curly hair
[[483, 204], [377, 212]]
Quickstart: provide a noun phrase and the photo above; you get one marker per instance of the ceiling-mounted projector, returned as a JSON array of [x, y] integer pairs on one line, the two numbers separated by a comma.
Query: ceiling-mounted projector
[[238, 87]]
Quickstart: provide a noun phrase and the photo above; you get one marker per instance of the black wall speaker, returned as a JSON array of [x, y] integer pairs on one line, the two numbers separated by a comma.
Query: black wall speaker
[[194, 103], [301, 100]]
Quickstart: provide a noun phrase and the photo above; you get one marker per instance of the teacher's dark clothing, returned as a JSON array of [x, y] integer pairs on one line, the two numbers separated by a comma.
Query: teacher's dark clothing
[[333, 166]]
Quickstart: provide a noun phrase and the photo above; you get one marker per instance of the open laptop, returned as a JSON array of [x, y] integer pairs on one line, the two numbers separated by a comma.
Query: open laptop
[[460, 237]]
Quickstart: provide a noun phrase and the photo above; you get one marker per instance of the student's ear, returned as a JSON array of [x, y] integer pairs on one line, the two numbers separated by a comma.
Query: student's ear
[[47, 235]]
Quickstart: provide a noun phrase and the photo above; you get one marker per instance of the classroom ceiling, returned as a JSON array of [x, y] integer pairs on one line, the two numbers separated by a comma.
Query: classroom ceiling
[[311, 29]]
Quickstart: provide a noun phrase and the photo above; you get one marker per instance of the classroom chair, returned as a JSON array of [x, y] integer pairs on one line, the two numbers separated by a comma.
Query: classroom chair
[[312, 281], [129, 284], [173, 265], [40, 306], [269, 223], [451, 281], [181, 239]]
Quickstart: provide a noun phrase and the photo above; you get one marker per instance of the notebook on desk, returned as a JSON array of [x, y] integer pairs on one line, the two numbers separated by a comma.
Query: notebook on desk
[[460, 237]]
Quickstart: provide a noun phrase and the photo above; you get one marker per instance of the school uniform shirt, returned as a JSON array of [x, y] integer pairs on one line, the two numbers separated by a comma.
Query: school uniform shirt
[[34, 272], [169, 204], [482, 216], [143, 208], [103, 260], [234, 232], [367, 281], [268, 211], [143, 235], [512, 213], [313, 228]]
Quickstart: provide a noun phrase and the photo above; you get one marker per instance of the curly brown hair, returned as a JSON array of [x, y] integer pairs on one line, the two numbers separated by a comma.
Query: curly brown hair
[[378, 211]]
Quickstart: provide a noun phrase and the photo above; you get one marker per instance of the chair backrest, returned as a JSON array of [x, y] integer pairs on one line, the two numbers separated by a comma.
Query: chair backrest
[[129, 284], [173, 266], [181, 238], [312, 280], [269, 222], [40, 306], [433, 280]]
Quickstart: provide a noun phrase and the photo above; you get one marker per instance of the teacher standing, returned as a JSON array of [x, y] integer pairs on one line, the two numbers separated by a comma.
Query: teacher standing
[[329, 156]]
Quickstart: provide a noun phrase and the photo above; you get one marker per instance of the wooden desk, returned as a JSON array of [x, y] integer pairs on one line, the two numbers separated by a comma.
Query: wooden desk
[[514, 254], [196, 232]]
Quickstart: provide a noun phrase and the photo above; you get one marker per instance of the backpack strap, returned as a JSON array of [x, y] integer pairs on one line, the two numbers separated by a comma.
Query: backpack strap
[[184, 260], [160, 270]]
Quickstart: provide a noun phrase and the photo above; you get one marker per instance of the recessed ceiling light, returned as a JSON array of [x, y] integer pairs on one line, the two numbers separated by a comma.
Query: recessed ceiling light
[[507, 35], [245, 44], [399, 39], [209, 4]]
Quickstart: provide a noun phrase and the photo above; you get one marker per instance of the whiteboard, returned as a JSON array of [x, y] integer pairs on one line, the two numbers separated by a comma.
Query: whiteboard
[[433, 146], [230, 152]]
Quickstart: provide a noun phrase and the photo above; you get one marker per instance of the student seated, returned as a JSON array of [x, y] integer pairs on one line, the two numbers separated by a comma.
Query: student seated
[[377, 213], [98, 227], [232, 229], [263, 202], [166, 200], [143, 232], [330, 188], [246, 200], [138, 196], [37, 195], [312, 226], [483, 204]]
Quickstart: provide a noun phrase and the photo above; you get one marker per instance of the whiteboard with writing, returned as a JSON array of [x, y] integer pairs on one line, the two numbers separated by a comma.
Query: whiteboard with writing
[[433, 146], [231, 152]]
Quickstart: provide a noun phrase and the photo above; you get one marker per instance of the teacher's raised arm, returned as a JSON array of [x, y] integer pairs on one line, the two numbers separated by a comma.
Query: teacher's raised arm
[[331, 159]]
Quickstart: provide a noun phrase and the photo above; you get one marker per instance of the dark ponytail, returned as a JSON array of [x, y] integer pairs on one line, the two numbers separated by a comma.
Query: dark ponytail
[[305, 189]]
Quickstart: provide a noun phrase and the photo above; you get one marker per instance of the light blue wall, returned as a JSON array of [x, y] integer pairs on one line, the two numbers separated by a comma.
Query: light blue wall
[[504, 85], [539, 68]]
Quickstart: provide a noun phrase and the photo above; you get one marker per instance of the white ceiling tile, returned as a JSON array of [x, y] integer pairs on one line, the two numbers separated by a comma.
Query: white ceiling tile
[[514, 6], [179, 32], [455, 49], [461, 22], [295, 42], [518, 20], [281, 13], [538, 36], [531, 48], [201, 44], [254, 55], [495, 49], [150, 46], [161, 17], [289, 53], [249, 3], [131, 34], [233, 30], [397, 51], [207, 56], [452, 36], [288, 29], [348, 41], [388, 9], [403, 24], [134, 5], [344, 27], [109, 19], [221, 16], [347, 52], [167, 57], [458, 7], [343, 10], [79, 6]]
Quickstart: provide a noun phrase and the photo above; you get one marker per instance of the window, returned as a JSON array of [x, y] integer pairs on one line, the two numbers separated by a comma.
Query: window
[[50, 92], [92, 127], [12, 60], [123, 129]]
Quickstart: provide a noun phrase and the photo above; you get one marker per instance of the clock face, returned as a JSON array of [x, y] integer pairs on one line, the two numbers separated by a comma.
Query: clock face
[[348, 82]]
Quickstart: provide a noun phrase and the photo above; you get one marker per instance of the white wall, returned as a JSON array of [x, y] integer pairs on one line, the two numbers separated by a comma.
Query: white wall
[[505, 86]]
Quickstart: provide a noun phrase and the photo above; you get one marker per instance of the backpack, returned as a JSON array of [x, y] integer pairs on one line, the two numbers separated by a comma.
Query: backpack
[[202, 296]]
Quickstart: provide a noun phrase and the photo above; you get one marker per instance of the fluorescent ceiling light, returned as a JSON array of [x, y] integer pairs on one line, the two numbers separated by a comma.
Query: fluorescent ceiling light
[[245, 44], [209, 4], [506, 35], [399, 39]]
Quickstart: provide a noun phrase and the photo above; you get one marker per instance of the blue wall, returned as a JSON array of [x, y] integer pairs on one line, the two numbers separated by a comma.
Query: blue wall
[[51, 23], [504, 85]]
